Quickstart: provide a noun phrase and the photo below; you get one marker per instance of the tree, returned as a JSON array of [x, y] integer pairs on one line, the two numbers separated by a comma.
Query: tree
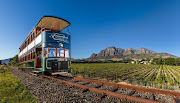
[[13, 62], [167, 61], [148, 59], [177, 61]]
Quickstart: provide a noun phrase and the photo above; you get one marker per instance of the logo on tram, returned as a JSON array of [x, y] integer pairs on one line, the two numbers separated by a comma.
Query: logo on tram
[[59, 37]]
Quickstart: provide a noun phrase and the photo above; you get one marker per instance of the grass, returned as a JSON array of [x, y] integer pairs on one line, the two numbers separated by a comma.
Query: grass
[[12, 90]]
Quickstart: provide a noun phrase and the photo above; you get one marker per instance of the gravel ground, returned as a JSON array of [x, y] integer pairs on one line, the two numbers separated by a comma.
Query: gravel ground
[[108, 88], [82, 82], [164, 98], [124, 91], [91, 84], [158, 97], [51, 91], [145, 95]]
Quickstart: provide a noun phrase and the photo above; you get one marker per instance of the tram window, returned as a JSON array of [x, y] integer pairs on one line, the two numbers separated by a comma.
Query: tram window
[[51, 52], [45, 52], [28, 40], [34, 35], [33, 55], [31, 37], [67, 53], [39, 54], [60, 52], [30, 55], [26, 57]]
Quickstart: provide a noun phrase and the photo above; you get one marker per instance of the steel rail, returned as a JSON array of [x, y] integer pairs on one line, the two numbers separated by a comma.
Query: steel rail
[[156, 91], [122, 96]]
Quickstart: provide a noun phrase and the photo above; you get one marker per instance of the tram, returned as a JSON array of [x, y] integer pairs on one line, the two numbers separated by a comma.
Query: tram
[[47, 48]]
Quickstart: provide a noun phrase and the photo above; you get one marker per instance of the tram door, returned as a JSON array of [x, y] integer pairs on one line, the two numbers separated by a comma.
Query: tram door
[[39, 57]]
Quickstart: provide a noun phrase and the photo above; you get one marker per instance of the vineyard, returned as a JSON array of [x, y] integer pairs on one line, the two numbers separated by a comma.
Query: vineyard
[[158, 76]]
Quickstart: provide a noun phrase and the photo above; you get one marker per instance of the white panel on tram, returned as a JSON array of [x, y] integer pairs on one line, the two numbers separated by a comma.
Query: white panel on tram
[[38, 39]]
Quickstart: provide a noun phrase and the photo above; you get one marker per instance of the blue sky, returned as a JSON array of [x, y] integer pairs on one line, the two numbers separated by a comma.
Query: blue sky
[[96, 24]]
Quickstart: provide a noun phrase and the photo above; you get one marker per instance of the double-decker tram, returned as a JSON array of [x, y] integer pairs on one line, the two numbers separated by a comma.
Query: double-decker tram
[[47, 47]]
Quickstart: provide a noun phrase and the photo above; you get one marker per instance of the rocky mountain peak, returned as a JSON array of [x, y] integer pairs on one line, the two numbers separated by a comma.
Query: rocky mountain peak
[[143, 51], [93, 55], [129, 51], [113, 52], [110, 51]]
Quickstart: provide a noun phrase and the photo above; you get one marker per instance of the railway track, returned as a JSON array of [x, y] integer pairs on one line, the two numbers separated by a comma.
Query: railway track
[[124, 92]]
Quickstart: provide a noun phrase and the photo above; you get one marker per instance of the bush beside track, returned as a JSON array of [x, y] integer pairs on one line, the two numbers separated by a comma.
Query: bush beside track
[[12, 90]]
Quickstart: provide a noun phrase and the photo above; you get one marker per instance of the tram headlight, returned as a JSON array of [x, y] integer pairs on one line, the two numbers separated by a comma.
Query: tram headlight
[[60, 45]]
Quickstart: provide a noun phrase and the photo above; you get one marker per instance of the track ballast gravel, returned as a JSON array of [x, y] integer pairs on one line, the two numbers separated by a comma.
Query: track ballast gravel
[[51, 91]]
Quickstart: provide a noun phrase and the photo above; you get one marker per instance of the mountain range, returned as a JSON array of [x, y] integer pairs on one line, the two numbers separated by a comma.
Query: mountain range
[[5, 60], [128, 53]]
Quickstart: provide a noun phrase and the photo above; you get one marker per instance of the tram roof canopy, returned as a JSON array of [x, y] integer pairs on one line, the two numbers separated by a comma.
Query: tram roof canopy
[[53, 22]]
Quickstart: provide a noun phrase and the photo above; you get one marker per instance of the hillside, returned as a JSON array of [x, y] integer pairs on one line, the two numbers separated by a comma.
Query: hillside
[[128, 53]]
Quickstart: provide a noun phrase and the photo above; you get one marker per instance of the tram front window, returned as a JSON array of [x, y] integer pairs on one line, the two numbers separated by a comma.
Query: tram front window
[[66, 53], [52, 52], [60, 52], [56, 52], [45, 52]]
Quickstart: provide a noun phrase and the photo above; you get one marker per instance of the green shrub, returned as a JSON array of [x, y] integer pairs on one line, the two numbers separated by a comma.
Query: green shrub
[[12, 90]]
